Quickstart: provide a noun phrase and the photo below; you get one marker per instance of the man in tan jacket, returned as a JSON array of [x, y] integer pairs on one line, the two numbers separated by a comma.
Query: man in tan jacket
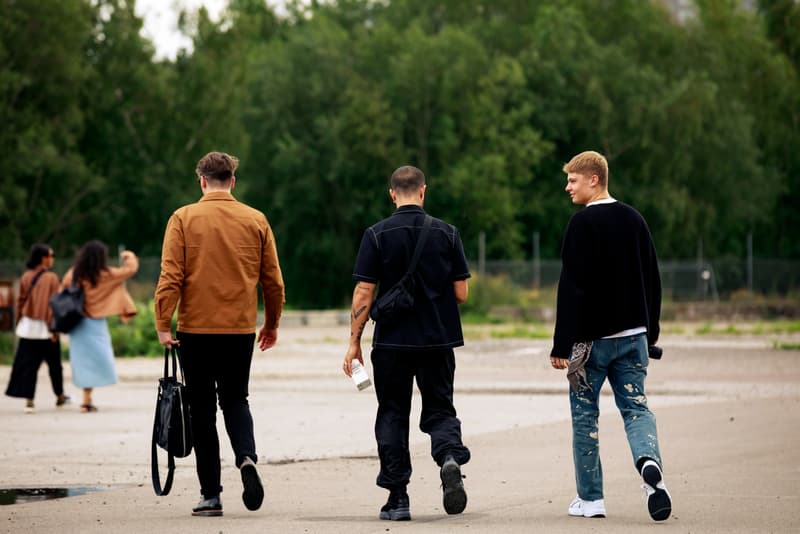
[[215, 253]]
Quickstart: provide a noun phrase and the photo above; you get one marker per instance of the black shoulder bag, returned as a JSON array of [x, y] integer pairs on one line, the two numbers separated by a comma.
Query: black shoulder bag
[[172, 428], [67, 308], [399, 299]]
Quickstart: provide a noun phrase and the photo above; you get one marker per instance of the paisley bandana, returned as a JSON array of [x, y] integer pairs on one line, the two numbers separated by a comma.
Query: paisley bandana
[[576, 372]]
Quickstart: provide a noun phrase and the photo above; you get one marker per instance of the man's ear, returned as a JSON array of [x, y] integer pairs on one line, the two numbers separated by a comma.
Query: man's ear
[[233, 181], [392, 195], [594, 180]]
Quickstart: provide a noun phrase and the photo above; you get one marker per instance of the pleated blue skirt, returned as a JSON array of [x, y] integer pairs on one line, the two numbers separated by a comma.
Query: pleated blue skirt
[[91, 355]]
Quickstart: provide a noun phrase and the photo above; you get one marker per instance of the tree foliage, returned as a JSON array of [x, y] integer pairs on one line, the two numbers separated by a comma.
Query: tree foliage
[[700, 120]]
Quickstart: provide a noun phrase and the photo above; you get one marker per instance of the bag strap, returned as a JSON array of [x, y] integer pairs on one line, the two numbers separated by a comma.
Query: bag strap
[[30, 290], [166, 362], [154, 464], [423, 236], [176, 363]]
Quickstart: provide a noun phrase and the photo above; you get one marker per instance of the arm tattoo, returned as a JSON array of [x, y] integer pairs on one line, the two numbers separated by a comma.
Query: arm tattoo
[[360, 331], [354, 317]]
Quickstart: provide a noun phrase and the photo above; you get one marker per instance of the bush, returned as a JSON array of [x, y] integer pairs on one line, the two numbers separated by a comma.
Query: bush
[[7, 347], [488, 292], [137, 337]]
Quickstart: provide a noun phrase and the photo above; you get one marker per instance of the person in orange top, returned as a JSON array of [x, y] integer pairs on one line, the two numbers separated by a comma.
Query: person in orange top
[[36, 342], [215, 253], [90, 352]]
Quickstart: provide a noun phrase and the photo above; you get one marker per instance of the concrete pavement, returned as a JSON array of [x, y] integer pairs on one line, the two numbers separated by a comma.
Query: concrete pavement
[[728, 419]]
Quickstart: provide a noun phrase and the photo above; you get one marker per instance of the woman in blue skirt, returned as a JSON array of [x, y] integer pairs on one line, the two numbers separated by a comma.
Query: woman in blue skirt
[[90, 353]]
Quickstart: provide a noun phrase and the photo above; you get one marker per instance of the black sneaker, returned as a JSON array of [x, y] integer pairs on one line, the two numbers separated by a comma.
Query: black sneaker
[[659, 503], [208, 507], [253, 494], [397, 508], [455, 498]]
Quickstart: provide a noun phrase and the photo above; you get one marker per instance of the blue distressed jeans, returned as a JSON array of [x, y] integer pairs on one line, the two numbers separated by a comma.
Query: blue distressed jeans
[[624, 362]]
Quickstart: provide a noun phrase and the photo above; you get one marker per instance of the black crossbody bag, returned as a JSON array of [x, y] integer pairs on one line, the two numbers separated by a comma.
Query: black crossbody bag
[[172, 424], [399, 299]]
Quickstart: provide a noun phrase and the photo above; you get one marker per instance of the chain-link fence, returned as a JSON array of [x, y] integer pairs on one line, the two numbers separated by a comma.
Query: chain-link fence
[[682, 280]]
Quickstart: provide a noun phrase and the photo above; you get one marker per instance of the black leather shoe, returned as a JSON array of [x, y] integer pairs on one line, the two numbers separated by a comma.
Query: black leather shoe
[[208, 507], [397, 508], [455, 497]]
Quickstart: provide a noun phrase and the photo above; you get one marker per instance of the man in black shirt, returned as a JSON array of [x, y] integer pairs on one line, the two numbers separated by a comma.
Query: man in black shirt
[[609, 304], [417, 344]]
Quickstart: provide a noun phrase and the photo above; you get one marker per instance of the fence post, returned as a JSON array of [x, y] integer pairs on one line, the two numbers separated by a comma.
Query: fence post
[[482, 253], [537, 262], [750, 262], [700, 285]]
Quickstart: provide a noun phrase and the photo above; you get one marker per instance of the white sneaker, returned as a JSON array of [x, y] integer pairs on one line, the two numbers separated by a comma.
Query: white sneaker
[[580, 508], [659, 503]]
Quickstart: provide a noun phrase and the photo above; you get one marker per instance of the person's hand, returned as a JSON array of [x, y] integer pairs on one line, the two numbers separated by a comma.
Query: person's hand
[[353, 353], [125, 254], [267, 337], [559, 363], [166, 339]]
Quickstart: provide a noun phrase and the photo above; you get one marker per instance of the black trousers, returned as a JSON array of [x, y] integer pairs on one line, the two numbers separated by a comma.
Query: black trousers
[[218, 366], [27, 360], [394, 372]]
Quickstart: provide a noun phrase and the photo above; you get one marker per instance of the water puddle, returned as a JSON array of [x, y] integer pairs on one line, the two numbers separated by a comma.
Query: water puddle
[[25, 495]]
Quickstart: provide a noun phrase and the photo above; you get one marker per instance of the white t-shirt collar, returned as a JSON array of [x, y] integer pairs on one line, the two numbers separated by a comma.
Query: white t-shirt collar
[[609, 200]]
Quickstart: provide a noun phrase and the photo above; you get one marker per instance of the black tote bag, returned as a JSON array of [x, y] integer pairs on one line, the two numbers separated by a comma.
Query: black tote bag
[[172, 425]]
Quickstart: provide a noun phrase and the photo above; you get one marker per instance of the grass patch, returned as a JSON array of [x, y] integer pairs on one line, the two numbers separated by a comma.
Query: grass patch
[[781, 345], [481, 318], [777, 327], [521, 332], [482, 331], [672, 329], [703, 330], [757, 329]]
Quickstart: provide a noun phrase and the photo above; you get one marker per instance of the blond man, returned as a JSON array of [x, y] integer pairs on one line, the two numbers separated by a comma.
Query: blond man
[[609, 304]]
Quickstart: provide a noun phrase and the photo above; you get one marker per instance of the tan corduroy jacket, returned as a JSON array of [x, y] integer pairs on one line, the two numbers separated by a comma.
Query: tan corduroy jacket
[[215, 253], [37, 304], [109, 297]]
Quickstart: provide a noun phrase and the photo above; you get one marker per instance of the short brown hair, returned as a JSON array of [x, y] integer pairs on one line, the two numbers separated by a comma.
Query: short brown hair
[[407, 180], [217, 166], [589, 162]]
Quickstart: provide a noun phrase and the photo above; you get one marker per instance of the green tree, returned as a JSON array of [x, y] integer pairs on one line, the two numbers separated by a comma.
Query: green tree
[[46, 183]]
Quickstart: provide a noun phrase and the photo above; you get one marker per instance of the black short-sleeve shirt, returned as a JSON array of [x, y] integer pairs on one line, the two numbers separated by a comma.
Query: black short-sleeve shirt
[[383, 257]]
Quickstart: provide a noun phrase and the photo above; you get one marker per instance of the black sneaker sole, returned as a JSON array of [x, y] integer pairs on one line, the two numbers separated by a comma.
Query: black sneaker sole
[[253, 494], [397, 514], [455, 497], [659, 503]]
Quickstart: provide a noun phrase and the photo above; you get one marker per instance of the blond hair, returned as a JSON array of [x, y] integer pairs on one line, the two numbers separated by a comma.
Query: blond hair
[[589, 162]]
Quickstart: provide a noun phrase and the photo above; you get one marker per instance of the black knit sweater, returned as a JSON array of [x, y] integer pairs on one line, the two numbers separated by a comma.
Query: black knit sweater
[[609, 277]]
